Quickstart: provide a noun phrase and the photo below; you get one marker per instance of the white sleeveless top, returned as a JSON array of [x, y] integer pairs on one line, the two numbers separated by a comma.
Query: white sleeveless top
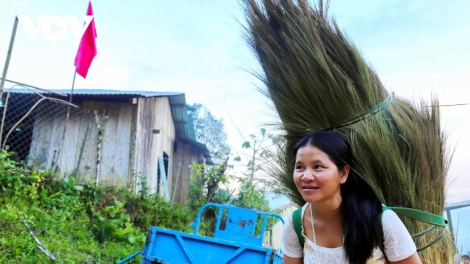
[[398, 243]]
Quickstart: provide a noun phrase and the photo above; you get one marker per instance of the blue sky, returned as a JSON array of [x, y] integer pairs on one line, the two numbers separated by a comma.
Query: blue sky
[[196, 46]]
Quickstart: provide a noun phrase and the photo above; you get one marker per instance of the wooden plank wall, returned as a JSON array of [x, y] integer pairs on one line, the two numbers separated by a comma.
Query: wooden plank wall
[[122, 163], [143, 141], [166, 138], [129, 148], [115, 120], [114, 165], [88, 164], [72, 145], [153, 113], [184, 156], [47, 136]]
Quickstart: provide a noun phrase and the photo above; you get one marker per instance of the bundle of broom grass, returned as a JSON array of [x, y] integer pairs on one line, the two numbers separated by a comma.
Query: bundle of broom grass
[[317, 80]]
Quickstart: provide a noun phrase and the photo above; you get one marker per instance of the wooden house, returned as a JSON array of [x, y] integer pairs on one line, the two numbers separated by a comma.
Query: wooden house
[[126, 138]]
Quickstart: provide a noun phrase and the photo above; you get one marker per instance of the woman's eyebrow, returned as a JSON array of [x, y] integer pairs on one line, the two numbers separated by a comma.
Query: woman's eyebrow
[[309, 161], [317, 160]]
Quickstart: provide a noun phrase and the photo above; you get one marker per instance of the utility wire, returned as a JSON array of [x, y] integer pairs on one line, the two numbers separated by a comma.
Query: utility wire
[[233, 122], [447, 105]]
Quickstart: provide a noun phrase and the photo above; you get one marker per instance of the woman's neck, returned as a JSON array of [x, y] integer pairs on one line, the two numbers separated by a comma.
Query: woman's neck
[[328, 210]]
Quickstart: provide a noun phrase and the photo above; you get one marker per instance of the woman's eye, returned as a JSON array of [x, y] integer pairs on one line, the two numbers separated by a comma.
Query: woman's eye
[[298, 167], [317, 167]]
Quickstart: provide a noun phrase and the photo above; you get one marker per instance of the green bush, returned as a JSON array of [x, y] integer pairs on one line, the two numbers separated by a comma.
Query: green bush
[[76, 222]]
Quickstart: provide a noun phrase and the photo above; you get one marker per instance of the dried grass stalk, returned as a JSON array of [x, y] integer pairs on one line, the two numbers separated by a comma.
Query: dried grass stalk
[[316, 79]]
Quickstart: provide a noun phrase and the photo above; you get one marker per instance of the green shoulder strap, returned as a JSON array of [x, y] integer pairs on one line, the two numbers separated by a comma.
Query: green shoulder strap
[[297, 221], [419, 215], [435, 220]]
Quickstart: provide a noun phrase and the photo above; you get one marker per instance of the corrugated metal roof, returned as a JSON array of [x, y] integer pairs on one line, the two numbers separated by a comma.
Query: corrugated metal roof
[[98, 92], [180, 115]]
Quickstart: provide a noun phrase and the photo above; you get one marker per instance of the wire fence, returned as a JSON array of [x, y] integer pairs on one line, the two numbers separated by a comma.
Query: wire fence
[[46, 132]]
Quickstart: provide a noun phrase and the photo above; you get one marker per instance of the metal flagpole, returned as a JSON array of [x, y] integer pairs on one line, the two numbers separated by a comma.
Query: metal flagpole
[[71, 95], [73, 84]]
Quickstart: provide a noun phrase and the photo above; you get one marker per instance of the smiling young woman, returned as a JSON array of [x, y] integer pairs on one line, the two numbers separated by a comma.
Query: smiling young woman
[[341, 217], [317, 177]]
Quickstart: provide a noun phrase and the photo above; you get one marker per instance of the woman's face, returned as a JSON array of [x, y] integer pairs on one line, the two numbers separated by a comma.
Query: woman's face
[[317, 177]]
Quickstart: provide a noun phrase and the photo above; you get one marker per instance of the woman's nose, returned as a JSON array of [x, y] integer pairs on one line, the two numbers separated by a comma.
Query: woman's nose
[[308, 176]]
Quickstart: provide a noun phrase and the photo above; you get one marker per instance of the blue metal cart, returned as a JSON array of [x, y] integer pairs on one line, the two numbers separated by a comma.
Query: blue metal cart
[[236, 240]]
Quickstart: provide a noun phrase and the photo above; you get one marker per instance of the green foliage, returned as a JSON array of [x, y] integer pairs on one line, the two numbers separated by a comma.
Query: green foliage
[[246, 196], [155, 211], [249, 196], [16, 179], [205, 182], [77, 222]]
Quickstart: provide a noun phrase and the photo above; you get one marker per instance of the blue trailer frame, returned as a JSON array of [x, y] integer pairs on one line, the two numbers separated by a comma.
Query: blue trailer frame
[[235, 240]]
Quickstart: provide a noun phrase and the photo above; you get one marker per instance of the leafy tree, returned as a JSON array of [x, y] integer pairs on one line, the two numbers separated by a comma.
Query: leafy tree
[[205, 180], [260, 148], [205, 183], [209, 130], [249, 196], [258, 152]]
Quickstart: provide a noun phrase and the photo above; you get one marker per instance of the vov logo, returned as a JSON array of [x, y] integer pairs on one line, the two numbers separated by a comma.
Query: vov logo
[[44, 22]]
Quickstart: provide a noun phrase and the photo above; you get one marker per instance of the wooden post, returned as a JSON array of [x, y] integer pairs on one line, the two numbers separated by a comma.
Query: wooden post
[[7, 62], [98, 146], [5, 70]]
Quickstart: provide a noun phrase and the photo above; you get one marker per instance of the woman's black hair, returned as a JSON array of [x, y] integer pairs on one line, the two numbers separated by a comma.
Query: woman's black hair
[[360, 206]]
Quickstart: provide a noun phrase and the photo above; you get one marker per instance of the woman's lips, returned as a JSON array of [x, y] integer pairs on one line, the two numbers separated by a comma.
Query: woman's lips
[[310, 188]]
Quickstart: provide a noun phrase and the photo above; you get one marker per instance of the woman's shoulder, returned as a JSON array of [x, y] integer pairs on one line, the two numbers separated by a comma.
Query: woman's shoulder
[[392, 226], [304, 207], [390, 216], [288, 219], [290, 242], [397, 240]]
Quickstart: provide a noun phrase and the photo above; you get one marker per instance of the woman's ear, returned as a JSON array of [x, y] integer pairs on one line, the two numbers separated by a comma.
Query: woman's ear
[[344, 174]]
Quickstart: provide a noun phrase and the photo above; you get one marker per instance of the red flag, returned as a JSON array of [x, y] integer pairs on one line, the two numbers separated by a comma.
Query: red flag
[[87, 49]]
